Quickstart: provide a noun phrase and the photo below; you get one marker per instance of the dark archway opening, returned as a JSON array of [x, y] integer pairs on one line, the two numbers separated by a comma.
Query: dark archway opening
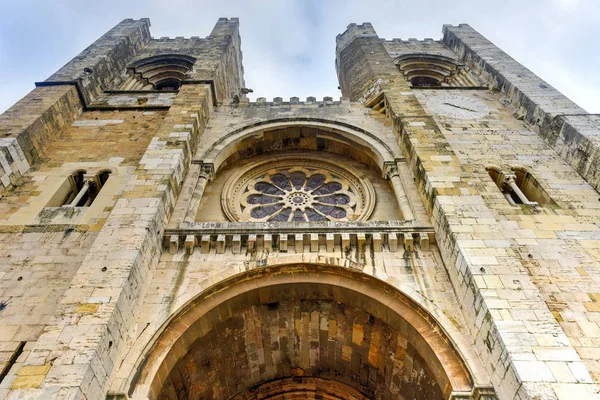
[[301, 331], [300, 340], [169, 84], [302, 388], [424, 81]]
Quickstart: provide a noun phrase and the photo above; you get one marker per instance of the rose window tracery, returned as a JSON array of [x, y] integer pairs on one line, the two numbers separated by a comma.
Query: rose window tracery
[[297, 190]]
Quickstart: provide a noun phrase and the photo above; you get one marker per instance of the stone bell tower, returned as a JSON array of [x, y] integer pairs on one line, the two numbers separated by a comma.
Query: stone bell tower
[[506, 166], [432, 234]]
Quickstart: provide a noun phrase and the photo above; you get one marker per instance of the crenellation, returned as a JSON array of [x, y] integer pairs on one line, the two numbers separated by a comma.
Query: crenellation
[[352, 32], [101, 63], [280, 101]]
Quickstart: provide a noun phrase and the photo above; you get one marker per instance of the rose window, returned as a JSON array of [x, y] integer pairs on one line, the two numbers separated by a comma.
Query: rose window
[[297, 190]]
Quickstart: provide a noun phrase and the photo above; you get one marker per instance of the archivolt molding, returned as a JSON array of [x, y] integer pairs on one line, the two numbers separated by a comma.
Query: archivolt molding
[[457, 366], [444, 70], [151, 72], [380, 152], [297, 188]]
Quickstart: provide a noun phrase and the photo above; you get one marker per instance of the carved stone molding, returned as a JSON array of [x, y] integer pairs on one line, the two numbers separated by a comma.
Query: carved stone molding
[[390, 169]]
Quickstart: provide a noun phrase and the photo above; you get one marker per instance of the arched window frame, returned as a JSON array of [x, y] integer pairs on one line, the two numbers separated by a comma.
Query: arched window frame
[[519, 186], [81, 188], [164, 72], [424, 67]]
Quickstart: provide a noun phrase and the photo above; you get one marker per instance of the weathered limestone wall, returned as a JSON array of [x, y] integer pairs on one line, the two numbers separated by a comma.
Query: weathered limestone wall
[[28, 127], [35, 271], [360, 61], [99, 67], [182, 276], [399, 47], [94, 320], [568, 128], [102, 66], [75, 284], [576, 138], [558, 244], [248, 129], [232, 120], [236, 132], [223, 61], [136, 100], [476, 248], [114, 139], [218, 58]]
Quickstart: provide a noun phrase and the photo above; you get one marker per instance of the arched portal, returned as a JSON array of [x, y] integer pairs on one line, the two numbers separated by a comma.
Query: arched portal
[[301, 331]]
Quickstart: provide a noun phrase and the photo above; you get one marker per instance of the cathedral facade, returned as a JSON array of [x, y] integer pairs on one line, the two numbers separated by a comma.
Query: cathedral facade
[[432, 234]]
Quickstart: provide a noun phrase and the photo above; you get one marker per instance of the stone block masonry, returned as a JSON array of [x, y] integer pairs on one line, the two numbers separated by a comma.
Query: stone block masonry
[[565, 126], [113, 277], [505, 338], [352, 249]]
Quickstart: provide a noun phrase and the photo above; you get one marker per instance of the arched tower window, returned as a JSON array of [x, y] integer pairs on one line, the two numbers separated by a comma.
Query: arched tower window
[[163, 72], [531, 187], [423, 70], [519, 186], [80, 189]]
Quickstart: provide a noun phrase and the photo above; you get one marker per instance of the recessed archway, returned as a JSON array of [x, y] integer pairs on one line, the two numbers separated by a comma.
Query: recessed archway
[[306, 134], [159, 72], [301, 330]]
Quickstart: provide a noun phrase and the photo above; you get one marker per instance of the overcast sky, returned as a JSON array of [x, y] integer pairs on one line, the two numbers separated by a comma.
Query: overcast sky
[[289, 46]]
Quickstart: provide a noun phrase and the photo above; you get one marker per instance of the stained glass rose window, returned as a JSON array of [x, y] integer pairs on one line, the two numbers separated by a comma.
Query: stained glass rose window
[[297, 190]]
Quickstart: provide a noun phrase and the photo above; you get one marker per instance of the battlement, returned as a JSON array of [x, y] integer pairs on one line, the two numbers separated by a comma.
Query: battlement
[[352, 32], [446, 27], [131, 20], [399, 47], [410, 40], [226, 27], [223, 27], [176, 39], [278, 101], [234, 20], [366, 27]]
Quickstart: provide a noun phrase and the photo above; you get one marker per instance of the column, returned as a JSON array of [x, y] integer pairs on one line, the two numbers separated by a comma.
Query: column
[[206, 173], [80, 194], [510, 180], [394, 177]]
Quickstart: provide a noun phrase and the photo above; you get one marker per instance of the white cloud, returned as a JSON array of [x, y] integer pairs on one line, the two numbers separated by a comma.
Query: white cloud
[[567, 4]]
